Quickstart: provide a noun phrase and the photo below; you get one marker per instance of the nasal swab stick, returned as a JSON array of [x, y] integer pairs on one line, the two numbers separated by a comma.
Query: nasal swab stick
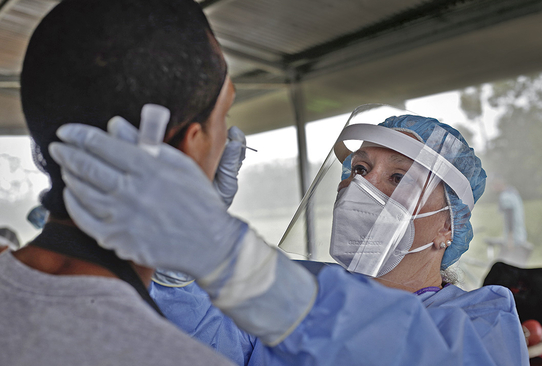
[[245, 146]]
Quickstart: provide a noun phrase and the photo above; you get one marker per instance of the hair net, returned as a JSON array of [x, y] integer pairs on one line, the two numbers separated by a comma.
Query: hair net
[[467, 163]]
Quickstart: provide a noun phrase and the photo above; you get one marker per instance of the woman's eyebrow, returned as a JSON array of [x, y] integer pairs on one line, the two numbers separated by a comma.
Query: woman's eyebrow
[[360, 154], [400, 159]]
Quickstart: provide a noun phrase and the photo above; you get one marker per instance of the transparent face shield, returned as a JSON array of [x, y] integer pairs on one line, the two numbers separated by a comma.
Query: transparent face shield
[[388, 182]]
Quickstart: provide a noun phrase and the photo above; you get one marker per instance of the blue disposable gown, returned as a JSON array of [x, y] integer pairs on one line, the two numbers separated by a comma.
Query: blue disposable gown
[[356, 321]]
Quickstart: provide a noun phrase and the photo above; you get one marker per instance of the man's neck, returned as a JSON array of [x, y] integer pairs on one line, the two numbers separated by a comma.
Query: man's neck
[[54, 263], [59, 264]]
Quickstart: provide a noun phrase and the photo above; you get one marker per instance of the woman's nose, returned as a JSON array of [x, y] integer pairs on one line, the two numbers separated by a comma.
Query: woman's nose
[[378, 180], [373, 177]]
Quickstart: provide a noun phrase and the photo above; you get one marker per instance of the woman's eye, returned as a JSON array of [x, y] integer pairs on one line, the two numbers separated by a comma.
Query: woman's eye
[[396, 178], [359, 169]]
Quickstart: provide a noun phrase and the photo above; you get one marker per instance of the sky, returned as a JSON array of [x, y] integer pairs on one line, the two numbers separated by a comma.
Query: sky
[[18, 173], [20, 185], [21, 182]]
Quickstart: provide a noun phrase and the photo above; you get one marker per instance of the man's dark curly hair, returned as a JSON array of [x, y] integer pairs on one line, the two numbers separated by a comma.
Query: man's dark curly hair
[[90, 60]]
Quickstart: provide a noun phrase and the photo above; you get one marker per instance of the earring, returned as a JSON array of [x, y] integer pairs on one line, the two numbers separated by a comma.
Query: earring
[[442, 245], [448, 243]]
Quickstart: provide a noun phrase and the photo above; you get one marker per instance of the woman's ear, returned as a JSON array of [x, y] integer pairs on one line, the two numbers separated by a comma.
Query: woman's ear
[[444, 235]]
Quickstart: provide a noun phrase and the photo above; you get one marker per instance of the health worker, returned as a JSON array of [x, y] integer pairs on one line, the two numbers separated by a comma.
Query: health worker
[[401, 216], [188, 306]]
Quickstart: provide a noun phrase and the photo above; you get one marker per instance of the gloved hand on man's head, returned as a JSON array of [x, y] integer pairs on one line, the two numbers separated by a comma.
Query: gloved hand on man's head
[[103, 174], [225, 181], [163, 212]]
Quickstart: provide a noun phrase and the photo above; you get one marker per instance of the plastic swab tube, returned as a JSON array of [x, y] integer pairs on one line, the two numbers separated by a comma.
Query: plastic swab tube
[[154, 119]]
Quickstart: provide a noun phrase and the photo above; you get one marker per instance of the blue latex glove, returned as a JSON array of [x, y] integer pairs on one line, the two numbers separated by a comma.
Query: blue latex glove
[[225, 181], [113, 195], [124, 130]]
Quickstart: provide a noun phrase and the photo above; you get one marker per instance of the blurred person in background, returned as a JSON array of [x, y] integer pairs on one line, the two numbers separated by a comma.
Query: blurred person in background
[[513, 246]]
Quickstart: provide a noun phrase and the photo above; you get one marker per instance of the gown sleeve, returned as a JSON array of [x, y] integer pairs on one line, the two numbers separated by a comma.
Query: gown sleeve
[[190, 309], [356, 321]]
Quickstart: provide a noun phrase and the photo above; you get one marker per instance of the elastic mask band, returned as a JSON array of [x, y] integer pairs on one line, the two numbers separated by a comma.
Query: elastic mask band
[[426, 214], [423, 247]]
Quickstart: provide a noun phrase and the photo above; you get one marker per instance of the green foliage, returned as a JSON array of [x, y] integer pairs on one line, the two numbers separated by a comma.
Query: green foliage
[[471, 102], [515, 153]]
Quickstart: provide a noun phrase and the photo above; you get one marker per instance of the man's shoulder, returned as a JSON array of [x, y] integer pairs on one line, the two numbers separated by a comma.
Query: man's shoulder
[[86, 320]]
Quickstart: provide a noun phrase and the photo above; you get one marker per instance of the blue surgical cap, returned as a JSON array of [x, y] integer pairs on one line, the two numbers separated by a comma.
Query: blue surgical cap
[[467, 163], [347, 167]]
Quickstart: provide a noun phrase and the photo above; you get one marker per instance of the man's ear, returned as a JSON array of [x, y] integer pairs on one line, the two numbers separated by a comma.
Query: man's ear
[[189, 139], [195, 143]]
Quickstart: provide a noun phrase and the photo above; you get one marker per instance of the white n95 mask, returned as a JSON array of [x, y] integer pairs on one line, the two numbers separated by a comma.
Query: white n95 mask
[[354, 243]]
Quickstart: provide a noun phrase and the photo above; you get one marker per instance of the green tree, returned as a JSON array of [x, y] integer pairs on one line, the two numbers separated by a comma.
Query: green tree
[[516, 153], [471, 104]]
